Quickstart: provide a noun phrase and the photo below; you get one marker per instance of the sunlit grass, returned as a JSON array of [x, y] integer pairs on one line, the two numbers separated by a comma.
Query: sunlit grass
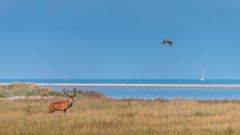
[[111, 117], [28, 89]]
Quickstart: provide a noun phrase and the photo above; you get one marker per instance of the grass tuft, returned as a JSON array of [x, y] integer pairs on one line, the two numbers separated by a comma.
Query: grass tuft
[[98, 116]]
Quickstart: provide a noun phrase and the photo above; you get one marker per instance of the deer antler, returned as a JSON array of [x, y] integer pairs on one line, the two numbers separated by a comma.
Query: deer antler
[[63, 105], [74, 93], [66, 93], [71, 96]]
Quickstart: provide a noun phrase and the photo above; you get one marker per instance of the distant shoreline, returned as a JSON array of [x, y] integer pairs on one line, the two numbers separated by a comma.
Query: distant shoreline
[[116, 85]]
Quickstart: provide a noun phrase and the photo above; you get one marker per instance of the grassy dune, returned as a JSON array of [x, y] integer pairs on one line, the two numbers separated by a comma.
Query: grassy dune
[[93, 114], [27, 90], [109, 117]]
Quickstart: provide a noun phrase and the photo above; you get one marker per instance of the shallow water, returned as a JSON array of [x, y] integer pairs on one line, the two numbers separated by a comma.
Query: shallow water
[[165, 93], [149, 93], [125, 81]]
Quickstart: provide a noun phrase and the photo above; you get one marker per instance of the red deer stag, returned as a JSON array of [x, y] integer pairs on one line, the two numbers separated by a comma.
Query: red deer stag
[[62, 105]]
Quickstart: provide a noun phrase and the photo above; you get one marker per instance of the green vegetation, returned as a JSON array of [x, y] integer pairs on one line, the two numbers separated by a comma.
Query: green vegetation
[[103, 116], [22, 89]]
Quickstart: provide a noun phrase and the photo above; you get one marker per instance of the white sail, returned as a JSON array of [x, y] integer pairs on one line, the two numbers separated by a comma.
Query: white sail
[[202, 75]]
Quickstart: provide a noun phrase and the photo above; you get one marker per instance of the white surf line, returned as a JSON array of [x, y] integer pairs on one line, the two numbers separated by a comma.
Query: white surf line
[[137, 85], [2, 84], [237, 86]]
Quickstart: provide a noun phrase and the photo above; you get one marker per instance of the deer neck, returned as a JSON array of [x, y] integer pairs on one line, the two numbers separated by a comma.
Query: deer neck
[[71, 100]]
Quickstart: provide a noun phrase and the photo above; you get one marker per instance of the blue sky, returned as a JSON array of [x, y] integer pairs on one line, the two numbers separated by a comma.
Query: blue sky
[[119, 39]]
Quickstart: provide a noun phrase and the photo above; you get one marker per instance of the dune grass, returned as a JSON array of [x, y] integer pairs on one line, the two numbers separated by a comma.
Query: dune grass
[[116, 117], [22, 89], [94, 114], [28, 89]]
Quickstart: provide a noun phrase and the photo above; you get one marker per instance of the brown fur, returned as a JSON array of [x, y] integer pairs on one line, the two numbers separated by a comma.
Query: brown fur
[[62, 105]]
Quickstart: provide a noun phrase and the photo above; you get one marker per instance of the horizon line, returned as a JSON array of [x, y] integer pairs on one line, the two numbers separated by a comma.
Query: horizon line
[[123, 85]]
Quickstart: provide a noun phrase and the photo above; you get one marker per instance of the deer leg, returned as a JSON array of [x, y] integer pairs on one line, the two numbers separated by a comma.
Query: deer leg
[[64, 110], [50, 111]]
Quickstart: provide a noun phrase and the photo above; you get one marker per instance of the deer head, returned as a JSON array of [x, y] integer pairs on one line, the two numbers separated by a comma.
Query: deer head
[[62, 105]]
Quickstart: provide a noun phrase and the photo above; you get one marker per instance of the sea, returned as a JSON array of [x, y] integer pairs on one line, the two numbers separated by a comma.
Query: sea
[[148, 93]]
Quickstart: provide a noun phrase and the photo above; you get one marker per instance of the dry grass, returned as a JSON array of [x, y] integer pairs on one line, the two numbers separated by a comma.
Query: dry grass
[[112, 117]]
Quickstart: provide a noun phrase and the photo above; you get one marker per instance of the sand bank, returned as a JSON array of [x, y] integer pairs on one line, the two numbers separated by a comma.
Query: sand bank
[[237, 86]]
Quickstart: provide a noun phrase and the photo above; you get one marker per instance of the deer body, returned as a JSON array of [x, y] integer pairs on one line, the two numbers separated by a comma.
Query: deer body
[[62, 105]]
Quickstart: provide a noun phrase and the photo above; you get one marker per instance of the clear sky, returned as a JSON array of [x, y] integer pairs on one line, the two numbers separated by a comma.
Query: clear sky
[[119, 39]]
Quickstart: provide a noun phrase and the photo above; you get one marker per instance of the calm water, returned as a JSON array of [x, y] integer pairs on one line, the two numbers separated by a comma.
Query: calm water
[[127, 81], [150, 93]]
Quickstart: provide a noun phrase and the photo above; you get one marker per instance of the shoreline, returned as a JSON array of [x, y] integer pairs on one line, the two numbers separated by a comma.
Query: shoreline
[[116, 85], [34, 98]]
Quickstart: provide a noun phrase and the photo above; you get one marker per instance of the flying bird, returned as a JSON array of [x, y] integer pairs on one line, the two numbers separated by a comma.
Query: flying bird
[[167, 42]]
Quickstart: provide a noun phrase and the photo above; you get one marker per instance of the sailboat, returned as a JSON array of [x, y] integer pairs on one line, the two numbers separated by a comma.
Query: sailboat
[[202, 75]]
